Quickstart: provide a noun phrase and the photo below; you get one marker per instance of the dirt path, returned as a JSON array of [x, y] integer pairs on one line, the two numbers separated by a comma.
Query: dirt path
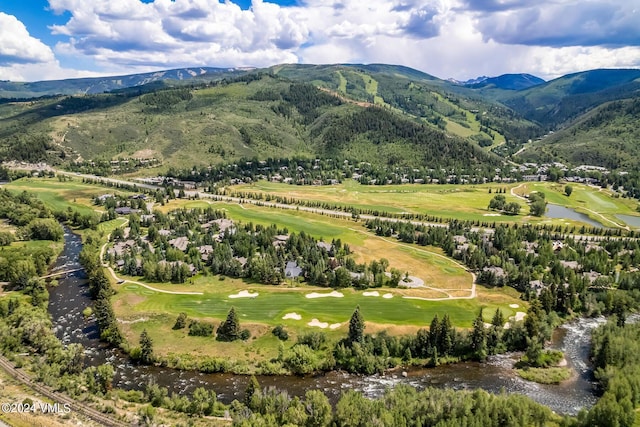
[[599, 215], [513, 192], [626, 227]]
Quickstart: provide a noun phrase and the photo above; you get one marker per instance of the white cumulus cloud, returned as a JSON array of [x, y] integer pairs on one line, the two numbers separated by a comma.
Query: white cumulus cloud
[[180, 32], [17, 46]]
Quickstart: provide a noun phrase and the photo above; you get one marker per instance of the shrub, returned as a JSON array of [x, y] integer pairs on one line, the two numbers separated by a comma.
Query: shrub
[[280, 332], [200, 329]]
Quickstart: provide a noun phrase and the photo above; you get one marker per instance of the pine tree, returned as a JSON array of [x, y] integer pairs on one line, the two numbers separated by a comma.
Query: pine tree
[[479, 338], [252, 388], [146, 348], [446, 336], [434, 331], [356, 327], [498, 318], [229, 330], [181, 321]]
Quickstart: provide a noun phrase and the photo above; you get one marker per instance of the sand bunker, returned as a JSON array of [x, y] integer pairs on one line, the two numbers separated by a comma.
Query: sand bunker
[[294, 316], [517, 318], [493, 214], [319, 324], [244, 294], [520, 316], [514, 305], [334, 294], [335, 325], [371, 294], [387, 296]]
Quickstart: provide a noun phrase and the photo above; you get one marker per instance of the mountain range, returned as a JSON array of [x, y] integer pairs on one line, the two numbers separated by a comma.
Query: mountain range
[[373, 112]]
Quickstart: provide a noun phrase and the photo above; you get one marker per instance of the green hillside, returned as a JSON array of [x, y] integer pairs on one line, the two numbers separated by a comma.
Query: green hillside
[[607, 136], [556, 102], [384, 114], [255, 115], [93, 85], [458, 110]]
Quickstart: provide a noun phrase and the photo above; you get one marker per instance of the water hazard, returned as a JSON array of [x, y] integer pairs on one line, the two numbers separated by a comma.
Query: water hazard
[[557, 211], [70, 297], [631, 220]]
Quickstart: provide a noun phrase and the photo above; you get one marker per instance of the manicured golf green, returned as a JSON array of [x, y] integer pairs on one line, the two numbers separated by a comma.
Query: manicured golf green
[[597, 203], [271, 305]]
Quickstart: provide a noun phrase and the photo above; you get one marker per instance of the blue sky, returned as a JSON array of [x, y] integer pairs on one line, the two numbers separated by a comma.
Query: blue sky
[[461, 39]]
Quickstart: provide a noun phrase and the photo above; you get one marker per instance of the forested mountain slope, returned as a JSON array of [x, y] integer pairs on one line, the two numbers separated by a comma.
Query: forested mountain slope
[[202, 116], [607, 136], [93, 85], [255, 115], [558, 101]]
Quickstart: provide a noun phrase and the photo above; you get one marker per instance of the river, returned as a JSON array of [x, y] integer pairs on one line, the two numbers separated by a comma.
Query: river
[[70, 297]]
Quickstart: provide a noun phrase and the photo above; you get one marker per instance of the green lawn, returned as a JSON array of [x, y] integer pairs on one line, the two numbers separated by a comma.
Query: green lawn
[[467, 202], [59, 195], [273, 303]]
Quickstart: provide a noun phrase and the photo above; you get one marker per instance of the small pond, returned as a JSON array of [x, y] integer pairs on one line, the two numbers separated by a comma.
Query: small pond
[[557, 211], [630, 220]]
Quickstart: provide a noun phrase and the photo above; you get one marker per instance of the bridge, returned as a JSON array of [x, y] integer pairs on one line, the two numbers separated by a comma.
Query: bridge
[[61, 273]]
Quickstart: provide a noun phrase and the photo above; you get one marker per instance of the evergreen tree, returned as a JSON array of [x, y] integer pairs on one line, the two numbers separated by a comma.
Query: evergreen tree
[[498, 318], [446, 336], [181, 321], [479, 338], [252, 388], [146, 348], [229, 330], [356, 327]]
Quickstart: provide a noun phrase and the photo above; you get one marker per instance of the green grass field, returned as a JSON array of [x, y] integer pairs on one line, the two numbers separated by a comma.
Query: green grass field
[[273, 303], [467, 202], [60, 196]]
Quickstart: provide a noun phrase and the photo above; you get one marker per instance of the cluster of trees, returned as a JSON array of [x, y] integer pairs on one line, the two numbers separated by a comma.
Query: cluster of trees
[[616, 358], [360, 352], [25, 324], [228, 330], [537, 204], [400, 405], [162, 100], [499, 203], [101, 291]]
